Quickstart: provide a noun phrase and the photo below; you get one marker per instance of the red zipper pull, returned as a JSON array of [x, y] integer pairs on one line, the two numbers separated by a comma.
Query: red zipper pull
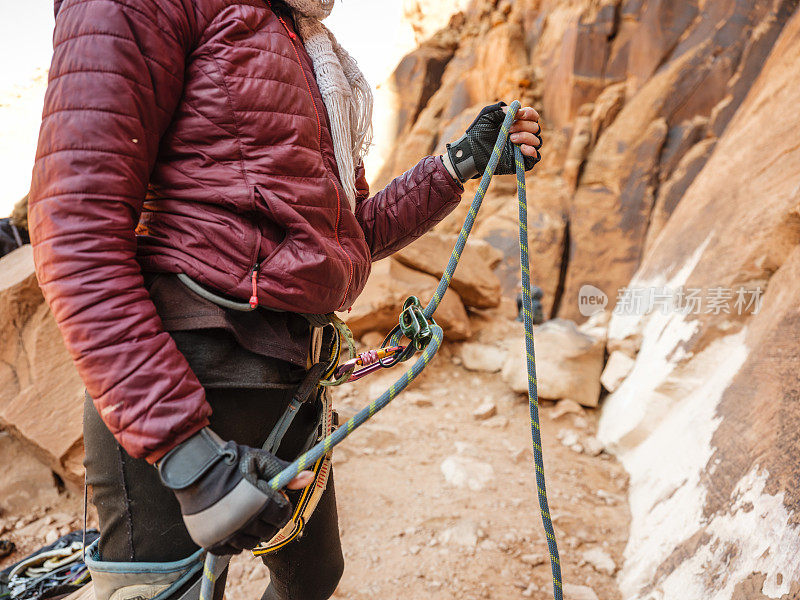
[[254, 280], [291, 33]]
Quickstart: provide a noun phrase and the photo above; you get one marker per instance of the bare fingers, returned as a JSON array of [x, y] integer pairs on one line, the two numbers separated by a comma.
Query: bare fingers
[[304, 479], [525, 113], [529, 150], [525, 137]]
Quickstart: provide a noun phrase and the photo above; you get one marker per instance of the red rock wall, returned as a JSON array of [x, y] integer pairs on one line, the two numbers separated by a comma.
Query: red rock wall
[[633, 95], [671, 158]]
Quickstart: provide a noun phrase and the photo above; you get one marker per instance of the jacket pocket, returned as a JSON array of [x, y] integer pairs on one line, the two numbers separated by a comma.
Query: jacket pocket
[[272, 230]]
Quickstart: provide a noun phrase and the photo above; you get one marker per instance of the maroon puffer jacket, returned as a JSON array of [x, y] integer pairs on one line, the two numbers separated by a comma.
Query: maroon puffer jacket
[[200, 121]]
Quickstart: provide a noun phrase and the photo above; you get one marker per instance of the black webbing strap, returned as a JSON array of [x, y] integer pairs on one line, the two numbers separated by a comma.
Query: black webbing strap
[[303, 392]]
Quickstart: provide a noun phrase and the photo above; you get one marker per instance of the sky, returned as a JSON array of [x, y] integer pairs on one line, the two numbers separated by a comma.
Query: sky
[[373, 31]]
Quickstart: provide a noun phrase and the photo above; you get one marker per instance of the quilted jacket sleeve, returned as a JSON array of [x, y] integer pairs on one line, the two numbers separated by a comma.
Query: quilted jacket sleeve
[[408, 207], [115, 79]]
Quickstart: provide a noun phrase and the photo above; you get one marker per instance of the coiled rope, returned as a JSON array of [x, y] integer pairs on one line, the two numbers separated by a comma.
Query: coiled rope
[[426, 335]]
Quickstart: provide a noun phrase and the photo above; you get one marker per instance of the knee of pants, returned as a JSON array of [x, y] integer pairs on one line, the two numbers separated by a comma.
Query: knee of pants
[[333, 571], [317, 581]]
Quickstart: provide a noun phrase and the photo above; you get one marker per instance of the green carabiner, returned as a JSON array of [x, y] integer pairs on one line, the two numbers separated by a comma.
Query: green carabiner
[[414, 324]]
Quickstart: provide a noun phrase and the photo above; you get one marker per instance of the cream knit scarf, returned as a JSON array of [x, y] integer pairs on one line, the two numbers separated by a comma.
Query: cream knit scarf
[[345, 91]]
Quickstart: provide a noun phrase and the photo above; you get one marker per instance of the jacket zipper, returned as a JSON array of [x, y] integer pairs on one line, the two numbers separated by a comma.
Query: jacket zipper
[[254, 284], [293, 38]]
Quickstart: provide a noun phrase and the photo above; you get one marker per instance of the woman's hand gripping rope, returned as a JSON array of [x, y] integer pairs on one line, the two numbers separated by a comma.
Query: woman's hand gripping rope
[[435, 340]]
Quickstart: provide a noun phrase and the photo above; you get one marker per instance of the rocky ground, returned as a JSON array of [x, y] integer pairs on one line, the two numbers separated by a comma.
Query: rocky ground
[[437, 497]]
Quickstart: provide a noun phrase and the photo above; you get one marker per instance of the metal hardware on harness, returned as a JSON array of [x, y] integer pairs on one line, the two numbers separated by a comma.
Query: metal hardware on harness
[[371, 361], [430, 348], [414, 324]]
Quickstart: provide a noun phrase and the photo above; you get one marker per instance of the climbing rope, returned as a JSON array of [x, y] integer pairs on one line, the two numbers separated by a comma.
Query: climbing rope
[[424, 334]]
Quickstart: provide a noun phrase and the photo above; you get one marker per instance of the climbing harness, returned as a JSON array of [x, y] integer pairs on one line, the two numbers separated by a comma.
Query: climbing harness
[[425, 335]]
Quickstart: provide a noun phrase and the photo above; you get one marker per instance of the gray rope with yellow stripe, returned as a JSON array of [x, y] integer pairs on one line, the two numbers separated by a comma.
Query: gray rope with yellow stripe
[[430, 345]]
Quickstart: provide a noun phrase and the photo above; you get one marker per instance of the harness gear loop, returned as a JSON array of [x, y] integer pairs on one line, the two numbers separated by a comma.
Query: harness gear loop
[[417, 321]]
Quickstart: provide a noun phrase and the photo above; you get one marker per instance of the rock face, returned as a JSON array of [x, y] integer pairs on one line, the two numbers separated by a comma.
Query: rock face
[[41, 395], [568, 364], [708, 419], [633, 95]]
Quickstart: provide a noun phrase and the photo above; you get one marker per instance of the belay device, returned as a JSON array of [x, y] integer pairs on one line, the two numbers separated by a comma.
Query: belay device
[[417, 325]]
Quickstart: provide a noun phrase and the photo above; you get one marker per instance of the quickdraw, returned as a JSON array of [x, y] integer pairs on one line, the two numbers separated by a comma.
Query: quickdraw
[[417, 325]]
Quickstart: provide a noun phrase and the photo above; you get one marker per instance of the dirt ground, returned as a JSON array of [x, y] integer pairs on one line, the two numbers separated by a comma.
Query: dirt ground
[[409, 534]]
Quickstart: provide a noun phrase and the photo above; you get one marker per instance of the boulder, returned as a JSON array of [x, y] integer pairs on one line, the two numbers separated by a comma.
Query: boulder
[[25, 481], [390, 283], [41, 395], [473, 280], [568, 364]]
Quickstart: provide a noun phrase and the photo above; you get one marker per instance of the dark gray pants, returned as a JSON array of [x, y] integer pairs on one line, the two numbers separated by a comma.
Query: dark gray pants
[[140, 519]]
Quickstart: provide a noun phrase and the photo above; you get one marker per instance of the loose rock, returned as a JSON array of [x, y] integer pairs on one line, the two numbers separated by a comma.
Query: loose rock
[[592, 446], [466, 472], [496, 422], [482, 357], [485, 411], [600, 561], [465, 534], [579, 592], [533, 560]]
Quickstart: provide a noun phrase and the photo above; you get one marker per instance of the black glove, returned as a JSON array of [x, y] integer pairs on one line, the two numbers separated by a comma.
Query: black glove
[[222, 488], [470, 153]]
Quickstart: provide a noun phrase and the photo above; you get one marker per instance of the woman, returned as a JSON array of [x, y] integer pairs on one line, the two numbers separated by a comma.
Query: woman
[[221, 140]]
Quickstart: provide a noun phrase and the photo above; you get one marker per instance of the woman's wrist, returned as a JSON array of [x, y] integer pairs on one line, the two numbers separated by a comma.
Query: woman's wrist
[[448, 164]]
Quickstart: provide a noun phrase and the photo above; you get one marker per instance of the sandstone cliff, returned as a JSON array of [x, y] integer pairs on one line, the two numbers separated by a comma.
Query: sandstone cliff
[[671, 164], [634, 95]]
